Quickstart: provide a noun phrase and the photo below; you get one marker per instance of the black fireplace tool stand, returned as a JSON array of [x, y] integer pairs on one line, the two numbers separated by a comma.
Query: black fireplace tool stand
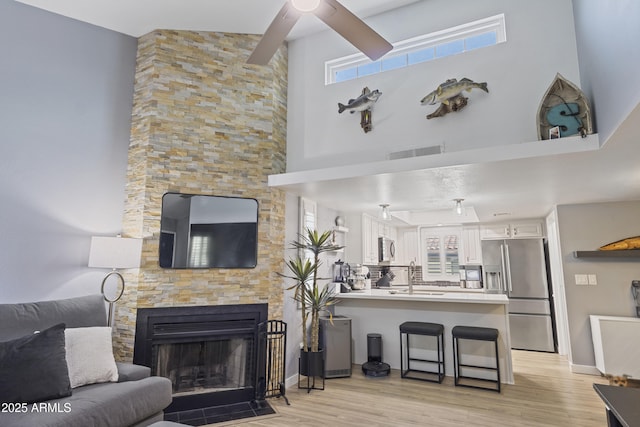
[[274, 333]]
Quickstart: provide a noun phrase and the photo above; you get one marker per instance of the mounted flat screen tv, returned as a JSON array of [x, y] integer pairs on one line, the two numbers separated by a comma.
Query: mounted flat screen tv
[[199, 231]]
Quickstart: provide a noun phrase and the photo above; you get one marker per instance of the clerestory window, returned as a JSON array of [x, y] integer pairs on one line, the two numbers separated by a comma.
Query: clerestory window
[[452, 41]]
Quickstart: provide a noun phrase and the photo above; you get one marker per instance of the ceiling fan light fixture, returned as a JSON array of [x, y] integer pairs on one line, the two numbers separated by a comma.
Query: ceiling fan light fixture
[[332, 13], [305, 5]]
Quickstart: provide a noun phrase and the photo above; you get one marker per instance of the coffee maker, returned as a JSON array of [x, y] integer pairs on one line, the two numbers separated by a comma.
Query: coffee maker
[[341, 272], [471, 276]]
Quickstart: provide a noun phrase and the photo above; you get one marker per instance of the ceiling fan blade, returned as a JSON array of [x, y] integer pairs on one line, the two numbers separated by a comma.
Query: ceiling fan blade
[[353, 29], [275, 35]]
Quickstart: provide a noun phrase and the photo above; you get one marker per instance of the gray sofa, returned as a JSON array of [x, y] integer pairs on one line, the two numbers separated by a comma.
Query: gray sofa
[[137, 399]]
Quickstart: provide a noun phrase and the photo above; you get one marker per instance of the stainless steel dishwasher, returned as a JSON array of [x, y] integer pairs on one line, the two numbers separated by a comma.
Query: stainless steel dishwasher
[[335, 339]]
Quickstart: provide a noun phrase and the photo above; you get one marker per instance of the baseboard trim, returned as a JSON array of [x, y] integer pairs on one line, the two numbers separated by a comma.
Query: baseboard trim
[[291, 381], [584, 369]]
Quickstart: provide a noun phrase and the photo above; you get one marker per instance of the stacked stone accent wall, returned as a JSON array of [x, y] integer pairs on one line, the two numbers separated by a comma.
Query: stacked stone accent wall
[[204, 122]]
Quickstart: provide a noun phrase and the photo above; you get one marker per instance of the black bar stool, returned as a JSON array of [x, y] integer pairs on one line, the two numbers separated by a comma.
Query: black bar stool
[[421, 328], [478, 334]]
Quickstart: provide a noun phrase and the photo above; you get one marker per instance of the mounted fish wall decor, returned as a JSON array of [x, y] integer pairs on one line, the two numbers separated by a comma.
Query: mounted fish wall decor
[[563, 111], [622, 245], [449, 94], [363, 103]]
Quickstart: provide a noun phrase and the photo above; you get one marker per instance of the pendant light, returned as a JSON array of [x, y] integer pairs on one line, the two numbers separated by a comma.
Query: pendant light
[[458, 208], [385, 214]]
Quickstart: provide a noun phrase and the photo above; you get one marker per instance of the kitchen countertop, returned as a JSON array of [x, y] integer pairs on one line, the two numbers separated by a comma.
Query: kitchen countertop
[[426, 295]]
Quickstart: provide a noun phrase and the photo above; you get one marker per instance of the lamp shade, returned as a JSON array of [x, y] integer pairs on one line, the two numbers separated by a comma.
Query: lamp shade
[[115, 252]]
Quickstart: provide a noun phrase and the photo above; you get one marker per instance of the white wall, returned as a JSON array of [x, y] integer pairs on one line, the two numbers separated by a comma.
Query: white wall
[[291, 314], [609, 53], [540, 43], [65, 115], [558, 285]]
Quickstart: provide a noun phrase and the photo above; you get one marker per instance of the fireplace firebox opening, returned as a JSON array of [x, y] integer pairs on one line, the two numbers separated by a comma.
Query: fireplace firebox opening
[[211, 354]]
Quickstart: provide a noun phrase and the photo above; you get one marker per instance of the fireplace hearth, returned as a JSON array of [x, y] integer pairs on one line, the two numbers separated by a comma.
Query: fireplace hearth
[[213, 355]]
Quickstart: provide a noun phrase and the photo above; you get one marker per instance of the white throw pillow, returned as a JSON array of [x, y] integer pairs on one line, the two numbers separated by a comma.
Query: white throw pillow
[[90, 356]]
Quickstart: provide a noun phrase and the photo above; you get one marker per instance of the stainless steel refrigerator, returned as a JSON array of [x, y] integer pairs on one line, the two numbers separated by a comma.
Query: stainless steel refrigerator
[[518, 267]]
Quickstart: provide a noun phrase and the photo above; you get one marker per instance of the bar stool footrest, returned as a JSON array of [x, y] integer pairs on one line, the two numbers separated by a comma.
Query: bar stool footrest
[[439, 376], [477, 367]]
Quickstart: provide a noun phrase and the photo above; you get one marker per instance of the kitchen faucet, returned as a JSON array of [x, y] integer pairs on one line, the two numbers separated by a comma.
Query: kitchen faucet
[[412, 275]]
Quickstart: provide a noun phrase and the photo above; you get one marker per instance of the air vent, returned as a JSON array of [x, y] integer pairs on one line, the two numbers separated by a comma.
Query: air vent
[[417, 152], [335, 373]]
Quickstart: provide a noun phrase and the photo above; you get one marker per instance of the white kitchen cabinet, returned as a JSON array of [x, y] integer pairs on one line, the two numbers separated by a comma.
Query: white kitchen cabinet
[[407, 246], [391, 232], [369, 250], [386, 230], [521, 230], [471, 249], [372, 228], [440, 252], [495, 231], [382, 230], [515, 230]]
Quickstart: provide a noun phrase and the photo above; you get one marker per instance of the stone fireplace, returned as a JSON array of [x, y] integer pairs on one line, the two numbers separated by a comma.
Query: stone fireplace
[[213, 355], [204, 122]]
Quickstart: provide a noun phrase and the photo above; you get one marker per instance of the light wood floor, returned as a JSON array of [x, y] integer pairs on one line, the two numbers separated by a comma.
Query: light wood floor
[[545, 394]]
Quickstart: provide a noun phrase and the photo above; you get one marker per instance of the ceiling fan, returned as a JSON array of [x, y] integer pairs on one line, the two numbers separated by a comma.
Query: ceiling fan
[[345, 23]]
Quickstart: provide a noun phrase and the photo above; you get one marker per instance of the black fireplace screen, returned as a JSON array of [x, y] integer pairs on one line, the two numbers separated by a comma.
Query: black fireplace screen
[[213, 355], [206, 366]]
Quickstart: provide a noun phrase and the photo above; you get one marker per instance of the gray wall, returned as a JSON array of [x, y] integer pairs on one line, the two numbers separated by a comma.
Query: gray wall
[[587, 227], [65, 114], [607, 35]]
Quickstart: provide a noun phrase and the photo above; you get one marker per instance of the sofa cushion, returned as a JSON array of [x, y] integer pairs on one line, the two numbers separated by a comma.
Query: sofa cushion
[[18, 320], [98, 405], [90, 356], [33, 368]]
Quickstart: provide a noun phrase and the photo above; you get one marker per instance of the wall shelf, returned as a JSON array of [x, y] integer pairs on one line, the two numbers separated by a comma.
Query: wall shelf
[[630, 253], [339, 237]]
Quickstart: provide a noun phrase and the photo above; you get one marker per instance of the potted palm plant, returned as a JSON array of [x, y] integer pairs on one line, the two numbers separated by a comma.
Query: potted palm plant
[[313, 298]]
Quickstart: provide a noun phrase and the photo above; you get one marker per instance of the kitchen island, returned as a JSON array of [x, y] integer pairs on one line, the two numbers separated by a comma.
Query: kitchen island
[[382, 311]]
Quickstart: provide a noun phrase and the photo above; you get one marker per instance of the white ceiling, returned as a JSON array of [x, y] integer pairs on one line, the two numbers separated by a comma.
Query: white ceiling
[[522, 188], [138, 17]]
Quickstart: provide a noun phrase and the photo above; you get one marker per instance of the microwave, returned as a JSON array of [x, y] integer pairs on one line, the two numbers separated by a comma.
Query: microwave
[[386, 249]]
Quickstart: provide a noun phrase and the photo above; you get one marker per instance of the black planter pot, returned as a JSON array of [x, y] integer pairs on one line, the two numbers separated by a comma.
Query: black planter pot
[[311, 365]]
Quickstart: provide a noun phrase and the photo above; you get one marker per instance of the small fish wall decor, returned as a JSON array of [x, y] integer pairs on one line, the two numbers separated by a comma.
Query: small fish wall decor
[[363, 104], [449, 95]]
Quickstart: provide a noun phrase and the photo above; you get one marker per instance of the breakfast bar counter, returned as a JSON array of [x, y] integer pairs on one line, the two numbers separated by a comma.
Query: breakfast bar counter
[[382, 311]]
